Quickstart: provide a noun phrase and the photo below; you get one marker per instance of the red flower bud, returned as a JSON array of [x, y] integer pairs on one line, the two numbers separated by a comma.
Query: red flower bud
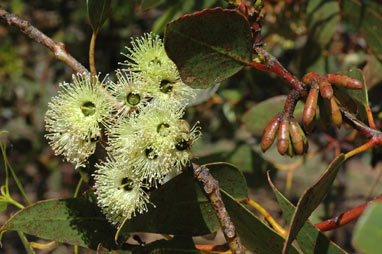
[[326, 89], [310, 105], [283, 137], [270, 132], [345, 81]]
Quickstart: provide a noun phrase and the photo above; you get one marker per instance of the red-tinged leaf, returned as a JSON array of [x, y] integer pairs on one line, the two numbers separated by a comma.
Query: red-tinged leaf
[[76, 221], [366, 16], [209, 46], [182, 208], [310, 239], [311, 198]]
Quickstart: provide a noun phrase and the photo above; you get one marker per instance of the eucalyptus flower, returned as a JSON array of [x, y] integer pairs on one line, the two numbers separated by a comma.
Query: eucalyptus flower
[[75, 117], [119, 193], [147, 55], [131, 90], [148, 59], [154, 141]]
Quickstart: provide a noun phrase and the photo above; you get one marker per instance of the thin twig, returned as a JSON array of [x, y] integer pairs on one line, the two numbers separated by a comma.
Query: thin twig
[[24, 240], [57, 48], [346, 217], [91, 54], [267, 216], [211, 188]]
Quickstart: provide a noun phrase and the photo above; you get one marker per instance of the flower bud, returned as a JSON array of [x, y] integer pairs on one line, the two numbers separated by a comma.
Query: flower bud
[[310, 105], [270, 133], [345, 81], [326, 89], [297, 134], [283, 136], [310, 78], [334, 112]]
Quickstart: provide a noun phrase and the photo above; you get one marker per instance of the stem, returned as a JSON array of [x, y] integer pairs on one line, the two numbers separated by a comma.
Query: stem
[[372, 142], [357, 124], [18, 183], [267, 216], [15, 203], [25, 242], [211, 247], [344, 218], [370, 117], [3, 148], [78, 187], [291, 102], [273, 65], [75, 195], [32, 32], [91, 54], [211, 188]]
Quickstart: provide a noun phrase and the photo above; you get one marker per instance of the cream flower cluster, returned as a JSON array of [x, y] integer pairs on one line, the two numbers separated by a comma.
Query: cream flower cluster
[[138, 118]]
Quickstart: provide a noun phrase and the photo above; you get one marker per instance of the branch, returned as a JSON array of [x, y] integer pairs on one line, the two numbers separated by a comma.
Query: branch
[[211, 188], [345, 218], [357, 124], [57, 48], [271, 64], [290, 104]]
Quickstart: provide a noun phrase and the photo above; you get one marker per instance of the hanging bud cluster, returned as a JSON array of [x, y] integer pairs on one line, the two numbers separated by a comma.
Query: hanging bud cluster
[[291, 138], [329, 106], [140, 114]]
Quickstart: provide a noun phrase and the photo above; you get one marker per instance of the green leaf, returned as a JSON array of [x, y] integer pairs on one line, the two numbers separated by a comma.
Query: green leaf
[[366, 17], [183, 200], [209, 46], [254, 234], [98, 12], [181, 245], [311, 198], [367, 233], [72, 221], [310, 239], [256, 118], [360, 96], [322, 17], [252, 164], [80, 221], [147, 4]]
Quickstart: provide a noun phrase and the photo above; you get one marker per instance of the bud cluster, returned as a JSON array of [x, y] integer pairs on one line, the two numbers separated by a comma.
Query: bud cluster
[[291, 138], [322, 85], [140, 115]]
